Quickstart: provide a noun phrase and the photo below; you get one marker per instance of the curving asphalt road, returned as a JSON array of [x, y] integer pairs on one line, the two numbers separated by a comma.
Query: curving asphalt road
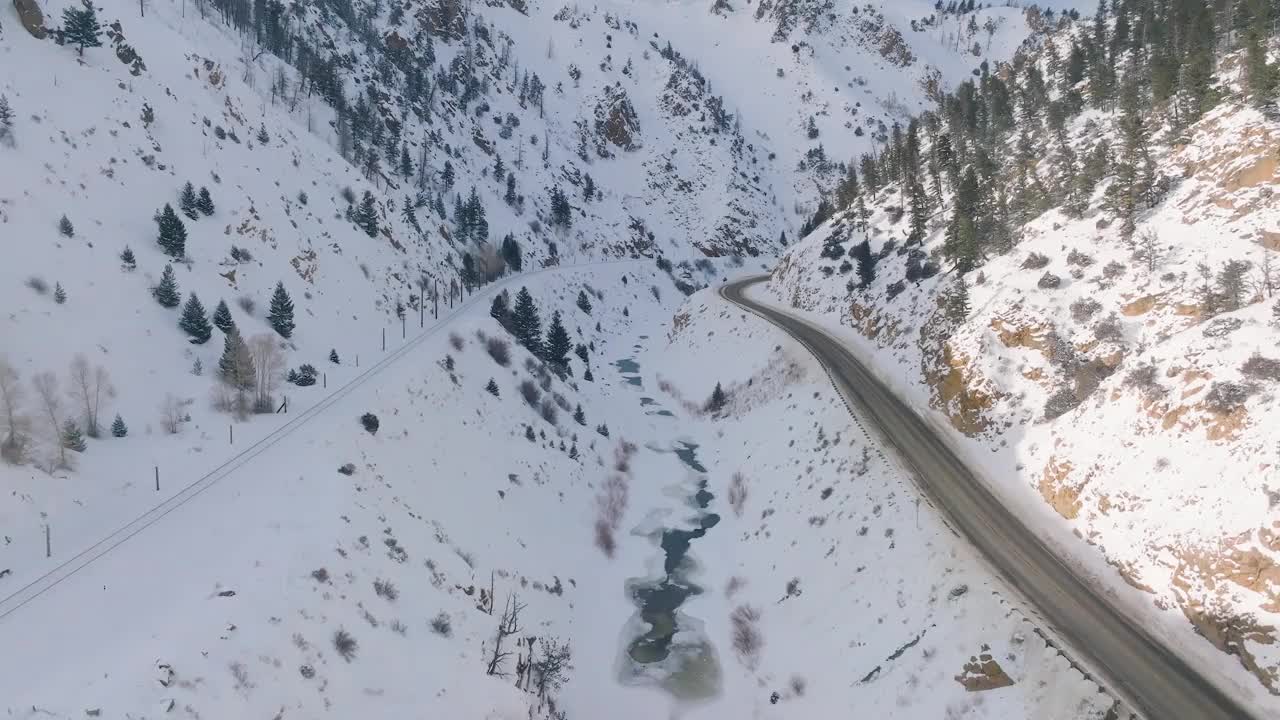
[[1151, 677]]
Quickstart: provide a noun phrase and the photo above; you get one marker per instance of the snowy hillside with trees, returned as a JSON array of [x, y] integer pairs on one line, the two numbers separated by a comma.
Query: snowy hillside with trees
[[1071, 265], [352, 353]]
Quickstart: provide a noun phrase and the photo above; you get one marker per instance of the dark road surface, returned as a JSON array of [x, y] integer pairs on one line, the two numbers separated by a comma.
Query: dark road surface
[[1133, 664]]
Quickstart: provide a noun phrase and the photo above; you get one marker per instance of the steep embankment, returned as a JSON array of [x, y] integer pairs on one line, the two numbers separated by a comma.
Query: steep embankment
[[1127, 385]]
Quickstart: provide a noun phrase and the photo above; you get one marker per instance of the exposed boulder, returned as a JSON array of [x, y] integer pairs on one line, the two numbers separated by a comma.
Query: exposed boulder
[[31, 18]]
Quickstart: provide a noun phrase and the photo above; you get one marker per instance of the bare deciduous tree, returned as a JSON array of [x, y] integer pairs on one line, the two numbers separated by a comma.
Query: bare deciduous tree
[[268, 363], [46, 384], [13, 424], [508, 625], [88, 386]]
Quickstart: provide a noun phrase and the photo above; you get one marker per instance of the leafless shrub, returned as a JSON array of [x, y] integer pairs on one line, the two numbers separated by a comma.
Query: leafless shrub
[[611, 503], [320, 575], [1222, 327], [46, 384], [1109, 329], [499, 350], [241, 676], [348, 469], [307, 671], [604, 538], [1084, 308], [1225, 397], [548, 411], [1261, 368], [798, 686], [399, 628], [386, 589], [455, 341], [738, 493], [735, 584], [441, 625], [171, 414], [530, 393], [1035, 261], [345, 644], [747, 641], [38, 284], [246, 304], [1145, 378], [561, 402]]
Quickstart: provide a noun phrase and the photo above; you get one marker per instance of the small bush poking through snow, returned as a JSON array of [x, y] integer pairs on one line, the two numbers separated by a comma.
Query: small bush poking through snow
[[548, 411], [530, 393], [1224, 397], [499, 350], [1145, 378], [345, 644], [738, 493], [1035, 261], [370, 423], [348, 469], [38, 284], [441, 625], [456, 341], [747, 641], [386, 589], [1079, 259], [1084, 308], [1060, 403], [1261, 368], [1109, 329], [1049, 281], [320, 575]]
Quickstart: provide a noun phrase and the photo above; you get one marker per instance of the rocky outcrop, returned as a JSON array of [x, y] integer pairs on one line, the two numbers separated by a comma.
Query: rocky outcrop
[[616, 123], [31, 18], [983, 673]]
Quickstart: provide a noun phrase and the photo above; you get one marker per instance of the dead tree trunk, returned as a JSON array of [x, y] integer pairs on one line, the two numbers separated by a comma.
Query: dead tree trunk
[[508, 625]]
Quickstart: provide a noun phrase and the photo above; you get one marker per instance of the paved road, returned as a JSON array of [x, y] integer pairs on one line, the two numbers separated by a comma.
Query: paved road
[[1160, 684]]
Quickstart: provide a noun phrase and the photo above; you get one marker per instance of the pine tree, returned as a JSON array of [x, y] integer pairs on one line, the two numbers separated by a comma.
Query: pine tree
[[333, 356], [866, 262], [59, 294], [510, 196], [127, 260], [579, 416], [588, 189], [558, 345], [525, 324], [65, 228], [166, 293], [1260, 76], [492, 387], [173, 233], [366, 216], [204, 202], [498, 310], [80, 26], [511, 254], [584, 303], [72, 437], [280, 315], [118, 428], [235, 366], [961, 244], [919, 204], [187, 202], [446, 175], [6, 121], [717, 400], [406, 162], [222, 317], [263, 137], [194, 322], [957, 302]]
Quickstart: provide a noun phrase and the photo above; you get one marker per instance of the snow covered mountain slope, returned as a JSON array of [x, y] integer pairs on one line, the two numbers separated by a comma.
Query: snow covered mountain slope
[[1123, 390]]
